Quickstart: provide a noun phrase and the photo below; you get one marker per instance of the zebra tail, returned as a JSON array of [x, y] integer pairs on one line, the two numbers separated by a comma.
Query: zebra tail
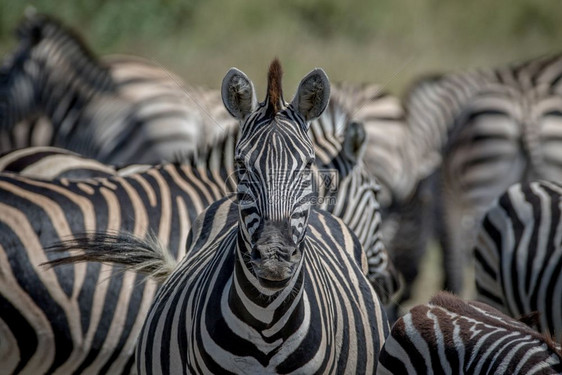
[[144, 256]]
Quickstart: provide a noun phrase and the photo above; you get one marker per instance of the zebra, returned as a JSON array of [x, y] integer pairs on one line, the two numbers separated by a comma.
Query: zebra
[[452, 336], [485, 130], [269, 284], [518, 254], [55, 92], [93, 328]]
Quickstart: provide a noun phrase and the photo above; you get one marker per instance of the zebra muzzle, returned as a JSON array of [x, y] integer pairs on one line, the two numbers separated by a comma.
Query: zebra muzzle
[[274, 266]]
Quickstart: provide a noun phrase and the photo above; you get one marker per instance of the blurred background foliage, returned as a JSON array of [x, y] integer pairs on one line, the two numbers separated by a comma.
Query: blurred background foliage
[[386, 41]]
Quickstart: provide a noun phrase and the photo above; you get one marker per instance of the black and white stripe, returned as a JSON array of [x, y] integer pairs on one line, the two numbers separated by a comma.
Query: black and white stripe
[[518, 254], [269, 283], [451, 336]]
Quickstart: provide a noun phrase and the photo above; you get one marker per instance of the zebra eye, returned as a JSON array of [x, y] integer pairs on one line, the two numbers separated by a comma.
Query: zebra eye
[[244, 198], [240, 168]]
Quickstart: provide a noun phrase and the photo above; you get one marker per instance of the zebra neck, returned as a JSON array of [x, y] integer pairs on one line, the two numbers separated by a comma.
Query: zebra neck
[[277, 314]]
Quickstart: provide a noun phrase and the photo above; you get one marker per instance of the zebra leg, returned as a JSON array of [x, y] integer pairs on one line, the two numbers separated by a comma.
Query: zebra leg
[[414, 226], [452, 222]]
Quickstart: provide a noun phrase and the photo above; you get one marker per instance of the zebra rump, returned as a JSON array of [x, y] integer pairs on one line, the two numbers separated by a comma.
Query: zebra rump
[[518, 254]]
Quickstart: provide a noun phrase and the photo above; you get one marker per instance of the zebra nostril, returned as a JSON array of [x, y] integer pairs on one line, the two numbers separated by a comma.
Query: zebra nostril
[[295, 252], [255, 256]]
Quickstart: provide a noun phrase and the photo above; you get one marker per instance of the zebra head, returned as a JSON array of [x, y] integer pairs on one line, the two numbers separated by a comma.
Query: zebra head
[[49, 63], [274, 157]]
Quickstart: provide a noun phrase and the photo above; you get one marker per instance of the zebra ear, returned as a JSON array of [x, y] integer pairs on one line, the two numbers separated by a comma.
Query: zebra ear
[[238, 94], [313, 95], [354, 141]]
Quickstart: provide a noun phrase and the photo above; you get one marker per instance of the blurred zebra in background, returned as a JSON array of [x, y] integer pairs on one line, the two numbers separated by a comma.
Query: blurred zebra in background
[[451, 336], [54, 91], [518, 254], [269, 282], [490, 128], [93, 326], [50, 163], [387, 156]]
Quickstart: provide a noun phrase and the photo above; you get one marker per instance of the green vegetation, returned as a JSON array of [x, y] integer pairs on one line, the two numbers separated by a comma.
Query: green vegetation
[[387, 41]]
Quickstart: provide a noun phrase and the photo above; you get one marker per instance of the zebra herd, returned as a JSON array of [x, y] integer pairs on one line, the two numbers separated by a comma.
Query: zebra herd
[[149, 226]]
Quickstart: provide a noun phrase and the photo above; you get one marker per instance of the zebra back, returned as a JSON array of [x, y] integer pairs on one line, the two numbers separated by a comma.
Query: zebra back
[[86, 317], [451, 336], [51, 163]]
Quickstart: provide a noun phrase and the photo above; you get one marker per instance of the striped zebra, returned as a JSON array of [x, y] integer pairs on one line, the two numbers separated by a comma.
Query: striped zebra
[[55, 92], [518, 254], [491, 128], [451, 336], [60, 320], [269, 284]]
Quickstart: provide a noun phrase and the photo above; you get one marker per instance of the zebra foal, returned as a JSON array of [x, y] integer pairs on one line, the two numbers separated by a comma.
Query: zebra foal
[[452, 336], [269, 284]]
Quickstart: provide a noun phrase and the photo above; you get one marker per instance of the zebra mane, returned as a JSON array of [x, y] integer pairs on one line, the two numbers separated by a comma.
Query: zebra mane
[[36, 28], [274, 88]]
